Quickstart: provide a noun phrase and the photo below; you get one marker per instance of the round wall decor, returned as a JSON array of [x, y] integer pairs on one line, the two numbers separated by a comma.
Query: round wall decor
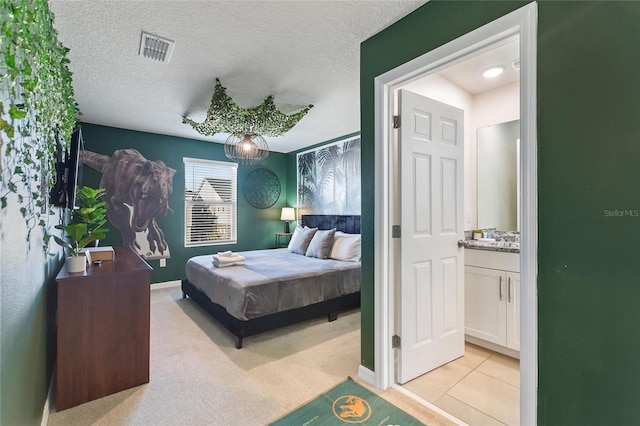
[[261, 188]]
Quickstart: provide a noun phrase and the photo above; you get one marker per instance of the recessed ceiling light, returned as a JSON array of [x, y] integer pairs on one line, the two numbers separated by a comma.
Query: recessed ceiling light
[[493, 72]]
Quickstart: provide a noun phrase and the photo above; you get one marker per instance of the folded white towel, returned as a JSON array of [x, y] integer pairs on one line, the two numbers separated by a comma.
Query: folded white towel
[[234, 258], [218, 264], [227, 253], [220, 261]]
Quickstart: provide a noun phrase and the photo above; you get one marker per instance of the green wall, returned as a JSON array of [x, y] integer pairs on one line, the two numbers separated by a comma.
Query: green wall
[[588, 156], [589, 151], [29, 53], [27, 346], [256, 227]]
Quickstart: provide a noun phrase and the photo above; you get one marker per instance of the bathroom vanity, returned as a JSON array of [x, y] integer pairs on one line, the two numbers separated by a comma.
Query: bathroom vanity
[[492, 263], [492, 297]]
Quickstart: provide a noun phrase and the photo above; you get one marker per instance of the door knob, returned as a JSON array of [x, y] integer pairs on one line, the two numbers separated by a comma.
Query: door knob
[[461, 243]]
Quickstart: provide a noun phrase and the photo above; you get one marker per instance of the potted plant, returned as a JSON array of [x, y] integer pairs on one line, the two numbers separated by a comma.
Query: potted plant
[[477, 234], [84, 227]]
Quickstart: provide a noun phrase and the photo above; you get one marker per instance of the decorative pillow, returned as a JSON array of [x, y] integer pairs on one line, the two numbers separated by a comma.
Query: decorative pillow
[[296, 233], [346, 247], [300, 240], [321, 244]]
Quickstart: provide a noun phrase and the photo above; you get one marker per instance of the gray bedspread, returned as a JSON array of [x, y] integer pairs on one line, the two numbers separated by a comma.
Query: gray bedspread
[[272, 281]]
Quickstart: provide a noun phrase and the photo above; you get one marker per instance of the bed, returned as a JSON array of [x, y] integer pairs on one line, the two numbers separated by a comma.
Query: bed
[[275, 288]]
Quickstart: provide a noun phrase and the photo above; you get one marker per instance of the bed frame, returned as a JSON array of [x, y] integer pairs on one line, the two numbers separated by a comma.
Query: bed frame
[[241, 329]]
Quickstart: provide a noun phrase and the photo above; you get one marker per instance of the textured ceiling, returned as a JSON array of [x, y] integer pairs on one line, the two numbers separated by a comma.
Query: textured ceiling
[[301, 52]]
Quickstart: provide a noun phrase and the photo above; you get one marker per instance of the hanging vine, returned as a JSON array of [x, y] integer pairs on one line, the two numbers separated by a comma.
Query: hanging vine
[[37, 108]]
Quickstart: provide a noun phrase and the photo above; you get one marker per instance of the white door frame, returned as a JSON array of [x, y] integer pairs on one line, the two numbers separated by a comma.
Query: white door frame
[[524, 23]]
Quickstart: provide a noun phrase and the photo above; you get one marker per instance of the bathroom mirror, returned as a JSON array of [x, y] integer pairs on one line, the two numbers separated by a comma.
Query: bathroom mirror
[[499, 176]]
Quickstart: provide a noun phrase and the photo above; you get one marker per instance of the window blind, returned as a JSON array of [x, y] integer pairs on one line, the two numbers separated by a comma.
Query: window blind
[[210, 202]]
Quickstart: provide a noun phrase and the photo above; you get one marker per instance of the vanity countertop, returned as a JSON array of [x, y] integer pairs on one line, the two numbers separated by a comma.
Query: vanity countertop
[[502, 246]]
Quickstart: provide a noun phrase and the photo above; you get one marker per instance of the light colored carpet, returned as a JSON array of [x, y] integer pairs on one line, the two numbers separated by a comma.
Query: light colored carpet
[[198, 377]]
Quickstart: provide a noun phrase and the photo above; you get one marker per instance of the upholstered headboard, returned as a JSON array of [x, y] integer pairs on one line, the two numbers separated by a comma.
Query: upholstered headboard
[[345, 223]]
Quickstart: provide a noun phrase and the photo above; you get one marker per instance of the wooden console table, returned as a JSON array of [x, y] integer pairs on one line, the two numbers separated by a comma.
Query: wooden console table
[[102, 329]]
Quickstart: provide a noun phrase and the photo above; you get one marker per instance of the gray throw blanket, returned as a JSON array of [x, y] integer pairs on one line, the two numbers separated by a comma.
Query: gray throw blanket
[[272, 281]]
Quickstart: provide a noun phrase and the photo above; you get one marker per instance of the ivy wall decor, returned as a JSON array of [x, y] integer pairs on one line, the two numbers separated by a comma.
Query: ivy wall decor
[[37, 108], [245, 126], [225, 116]]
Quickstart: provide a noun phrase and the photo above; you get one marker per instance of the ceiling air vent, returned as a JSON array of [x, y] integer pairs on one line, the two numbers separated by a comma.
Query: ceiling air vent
[[154, 47]]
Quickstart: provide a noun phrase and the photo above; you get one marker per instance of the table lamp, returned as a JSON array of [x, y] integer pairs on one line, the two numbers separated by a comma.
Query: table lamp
[[288, 214]]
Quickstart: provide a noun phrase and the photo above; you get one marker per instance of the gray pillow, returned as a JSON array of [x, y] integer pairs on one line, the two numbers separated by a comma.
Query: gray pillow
[[300, 240], [321, 244]]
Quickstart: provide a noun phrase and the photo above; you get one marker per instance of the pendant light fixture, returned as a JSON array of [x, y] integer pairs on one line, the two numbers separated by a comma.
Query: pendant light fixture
[[246, 148]]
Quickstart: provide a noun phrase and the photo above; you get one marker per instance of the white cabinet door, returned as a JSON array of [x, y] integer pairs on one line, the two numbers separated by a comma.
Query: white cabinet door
[[513, 310], [485, 307]]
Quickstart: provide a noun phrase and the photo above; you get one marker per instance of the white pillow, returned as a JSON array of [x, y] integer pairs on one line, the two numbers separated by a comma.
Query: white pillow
[[300, 240], [346, 247], [320, 244], [296, 233]]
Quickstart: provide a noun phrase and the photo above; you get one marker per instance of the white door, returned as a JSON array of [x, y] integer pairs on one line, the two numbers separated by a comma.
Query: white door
[[431, 153]]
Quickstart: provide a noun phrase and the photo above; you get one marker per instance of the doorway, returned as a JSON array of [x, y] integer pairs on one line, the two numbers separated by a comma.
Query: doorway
[[522, 23]]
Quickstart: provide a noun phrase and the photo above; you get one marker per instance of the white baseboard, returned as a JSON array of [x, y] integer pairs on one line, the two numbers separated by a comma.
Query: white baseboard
[[48, 403], [166, 284], [367, 375]]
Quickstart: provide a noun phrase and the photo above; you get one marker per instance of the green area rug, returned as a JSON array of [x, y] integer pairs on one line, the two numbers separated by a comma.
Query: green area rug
[[347, 403]]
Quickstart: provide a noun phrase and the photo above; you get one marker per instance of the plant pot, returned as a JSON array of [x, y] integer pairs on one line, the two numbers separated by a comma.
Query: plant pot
[[76, 264], [477, 235]]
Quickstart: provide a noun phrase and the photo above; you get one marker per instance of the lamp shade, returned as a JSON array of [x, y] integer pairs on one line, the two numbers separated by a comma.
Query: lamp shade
[[288, 213], [246, 148]]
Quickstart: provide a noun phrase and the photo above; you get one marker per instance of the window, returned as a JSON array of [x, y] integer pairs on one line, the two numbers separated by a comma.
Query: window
[[210, 202]]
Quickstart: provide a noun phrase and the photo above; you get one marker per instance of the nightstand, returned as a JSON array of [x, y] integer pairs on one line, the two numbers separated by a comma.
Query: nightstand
[[282, 239]]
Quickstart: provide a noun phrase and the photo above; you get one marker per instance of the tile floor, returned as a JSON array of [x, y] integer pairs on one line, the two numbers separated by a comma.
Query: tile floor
[[482, 388]]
